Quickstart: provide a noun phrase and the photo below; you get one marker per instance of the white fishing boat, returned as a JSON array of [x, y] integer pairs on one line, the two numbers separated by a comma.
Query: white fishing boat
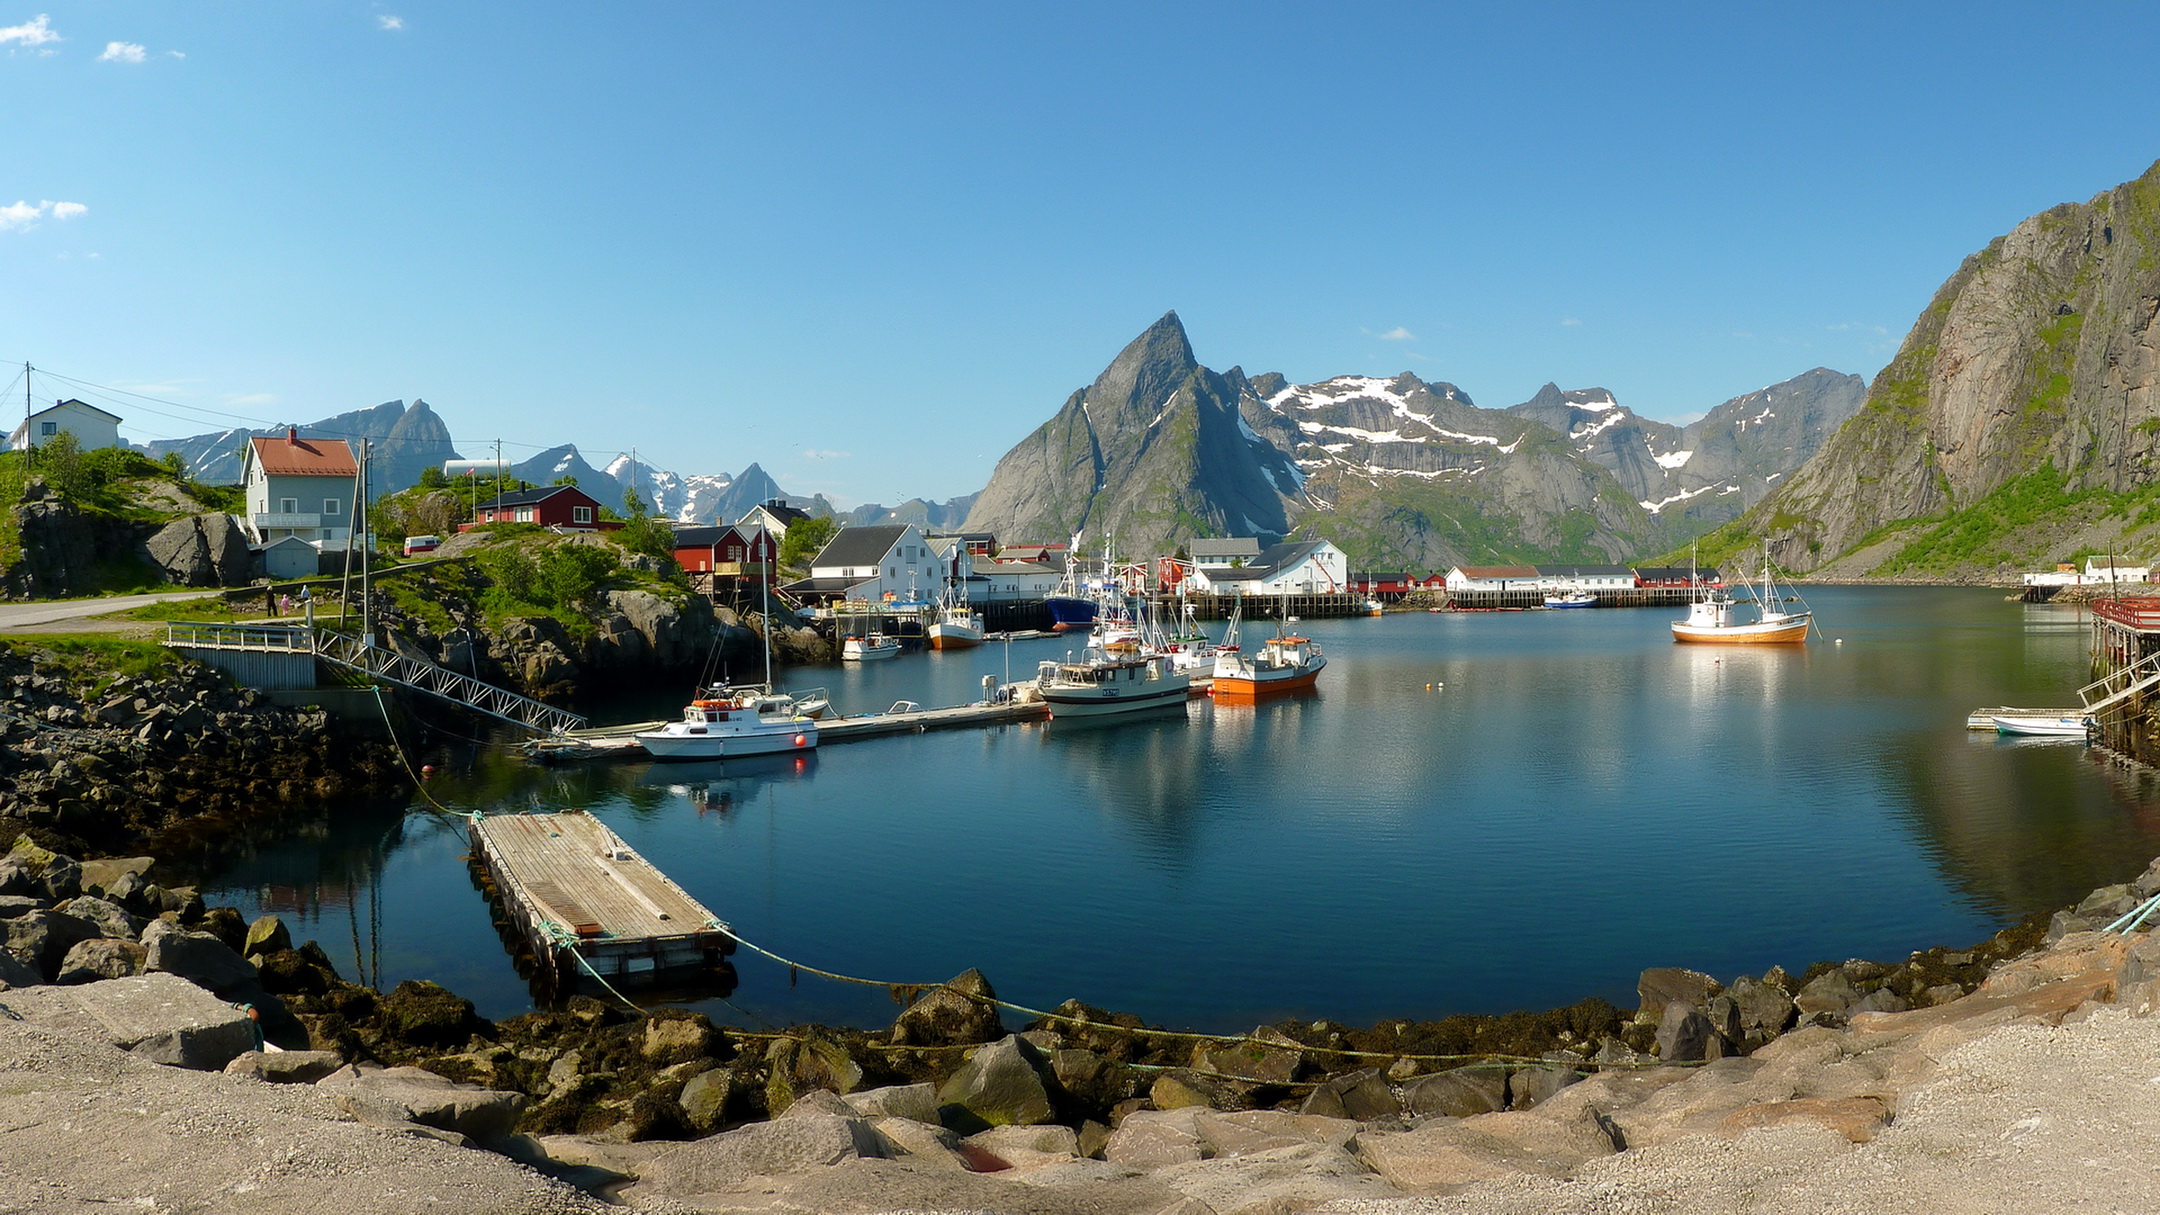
[[1571, 599], [1283, 663], [2072, 725], [1713, 617], [1373, 607], [740, 723], [868, 648], [1101, 683], [957, 626]]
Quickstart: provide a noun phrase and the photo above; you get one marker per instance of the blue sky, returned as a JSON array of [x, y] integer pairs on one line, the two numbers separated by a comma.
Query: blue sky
[[871, 246]]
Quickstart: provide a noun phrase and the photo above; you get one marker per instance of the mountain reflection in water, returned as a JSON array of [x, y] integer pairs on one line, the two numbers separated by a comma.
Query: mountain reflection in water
[[1472, 813]]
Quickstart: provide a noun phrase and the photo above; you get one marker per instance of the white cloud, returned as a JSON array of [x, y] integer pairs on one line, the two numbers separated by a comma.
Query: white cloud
[[1569, 322], [389, 22], [1398, 334], [35, 32], [123, 52], [252, 398], [177, 54], [816, 454], [22, 214]]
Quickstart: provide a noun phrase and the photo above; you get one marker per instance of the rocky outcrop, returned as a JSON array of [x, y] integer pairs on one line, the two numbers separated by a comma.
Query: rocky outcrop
[[202, 550], [64, 550], [104, 763], [2020, 407]]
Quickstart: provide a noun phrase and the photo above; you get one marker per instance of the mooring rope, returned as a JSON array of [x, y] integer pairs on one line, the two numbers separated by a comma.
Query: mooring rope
[[1179, 1035]]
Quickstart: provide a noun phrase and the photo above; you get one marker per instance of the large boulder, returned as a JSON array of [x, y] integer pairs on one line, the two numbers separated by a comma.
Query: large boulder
[[112, 920], [162, 1017], [1459, 1093], [1000, 1085], [411, 1094], [1663, 985], [1292, 1177], [266, 935], [14, 972], [197, 957], [43, 938], [915, 1102], [783, 1145], [285, 1066], [226, 546], [178, 548], [1685, 1035], [1363, 1096], [956, 1012], [102, 958]]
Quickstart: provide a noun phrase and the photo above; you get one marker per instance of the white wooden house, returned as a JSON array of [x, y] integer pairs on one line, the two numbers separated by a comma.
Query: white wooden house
[[1586, 578], [1492, 578], [878, 564], [299, 487], [92, 427], [1298, 567]]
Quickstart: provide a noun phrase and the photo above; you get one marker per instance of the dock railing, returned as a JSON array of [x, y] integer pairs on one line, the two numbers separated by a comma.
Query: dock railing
[[2117, 686], [2141, 613], [356, 654]]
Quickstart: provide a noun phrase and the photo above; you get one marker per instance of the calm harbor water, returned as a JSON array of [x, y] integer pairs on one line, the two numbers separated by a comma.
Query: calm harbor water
[[1573, 799]]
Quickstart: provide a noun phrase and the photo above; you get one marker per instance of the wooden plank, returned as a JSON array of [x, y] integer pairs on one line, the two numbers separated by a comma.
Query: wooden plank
[[569, 870]]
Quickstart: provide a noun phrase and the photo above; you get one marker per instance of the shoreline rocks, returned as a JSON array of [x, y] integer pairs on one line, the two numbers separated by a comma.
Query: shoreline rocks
[[946, 1107]]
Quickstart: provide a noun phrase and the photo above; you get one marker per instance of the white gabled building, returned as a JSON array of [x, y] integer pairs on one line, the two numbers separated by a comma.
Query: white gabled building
[[299, 487], [877, 564], [1492, 578], [1213, 554], [1586, 578], [92, 427], [1297, 567]]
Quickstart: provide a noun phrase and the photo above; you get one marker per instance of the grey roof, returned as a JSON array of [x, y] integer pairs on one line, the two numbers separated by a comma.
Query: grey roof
[[859, 546], [1584, 571], [1235, 546], [787, 515], [1014, 567], [821, 586], [526, 497], [695, 537]]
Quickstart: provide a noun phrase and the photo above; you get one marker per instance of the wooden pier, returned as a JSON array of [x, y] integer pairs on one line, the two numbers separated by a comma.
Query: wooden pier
[[1501, 601], [574, 890]]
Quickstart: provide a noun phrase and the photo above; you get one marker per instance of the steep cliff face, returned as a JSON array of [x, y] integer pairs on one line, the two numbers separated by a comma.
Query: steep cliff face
[[2018, 417], [1154, 451]]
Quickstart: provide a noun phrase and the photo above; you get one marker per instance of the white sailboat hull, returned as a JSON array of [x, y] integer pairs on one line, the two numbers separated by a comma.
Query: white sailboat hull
[[762, 739]]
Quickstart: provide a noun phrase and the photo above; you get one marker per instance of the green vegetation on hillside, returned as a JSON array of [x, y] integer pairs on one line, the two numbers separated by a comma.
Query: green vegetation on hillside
[[1988, 532]]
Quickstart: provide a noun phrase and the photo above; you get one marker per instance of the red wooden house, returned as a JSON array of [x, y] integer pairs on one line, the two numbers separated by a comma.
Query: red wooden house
[[558, 506], [729, 551]]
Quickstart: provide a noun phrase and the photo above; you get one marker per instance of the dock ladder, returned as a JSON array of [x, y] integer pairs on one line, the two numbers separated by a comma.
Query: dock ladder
[[355, 654]]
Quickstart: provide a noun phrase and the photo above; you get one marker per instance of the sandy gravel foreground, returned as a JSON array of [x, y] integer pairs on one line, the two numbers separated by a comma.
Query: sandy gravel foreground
[[2029, 1118]]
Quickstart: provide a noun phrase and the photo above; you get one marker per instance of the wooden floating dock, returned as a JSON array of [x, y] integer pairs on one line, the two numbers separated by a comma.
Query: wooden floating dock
[[571, 886], [1984, 719], [913, 721]]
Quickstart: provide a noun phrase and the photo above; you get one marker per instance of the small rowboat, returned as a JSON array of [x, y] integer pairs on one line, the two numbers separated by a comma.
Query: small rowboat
[[2075, 725]]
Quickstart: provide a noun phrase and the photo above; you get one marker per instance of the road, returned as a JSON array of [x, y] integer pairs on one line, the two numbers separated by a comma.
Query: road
[[20, 617]]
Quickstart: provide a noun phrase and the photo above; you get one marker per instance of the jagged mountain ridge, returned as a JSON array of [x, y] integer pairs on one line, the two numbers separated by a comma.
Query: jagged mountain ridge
[[406, 441], [1156, 449], [2017, 421], [1397, 470]]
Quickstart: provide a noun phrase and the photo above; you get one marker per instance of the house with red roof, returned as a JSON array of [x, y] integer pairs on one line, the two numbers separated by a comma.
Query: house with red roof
[[301, 488]]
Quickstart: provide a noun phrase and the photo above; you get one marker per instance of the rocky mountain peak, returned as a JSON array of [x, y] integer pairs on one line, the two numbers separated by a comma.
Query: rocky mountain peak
[[1148, 370]]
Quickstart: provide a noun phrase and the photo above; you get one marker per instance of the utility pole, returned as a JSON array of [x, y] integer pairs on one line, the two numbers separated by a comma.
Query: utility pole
[[28, 442], [367, 620], [498, 473]]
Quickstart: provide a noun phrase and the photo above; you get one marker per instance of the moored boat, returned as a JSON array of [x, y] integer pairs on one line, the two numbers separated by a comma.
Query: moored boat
[[2071, 725], [1711, 617], [1102, 683], [868, 648], [1571, 599], [743, 723], [957, 625], [1283, 663]]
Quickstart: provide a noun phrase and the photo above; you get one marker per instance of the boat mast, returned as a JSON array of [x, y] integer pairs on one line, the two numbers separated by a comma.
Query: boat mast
[[765, 594]]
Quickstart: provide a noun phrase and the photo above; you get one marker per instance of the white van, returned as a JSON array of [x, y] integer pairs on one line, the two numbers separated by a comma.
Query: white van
[[415, 545]]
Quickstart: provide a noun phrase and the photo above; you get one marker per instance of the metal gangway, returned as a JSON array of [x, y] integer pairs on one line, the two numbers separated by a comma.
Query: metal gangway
[[2120, 685], [357, 654]]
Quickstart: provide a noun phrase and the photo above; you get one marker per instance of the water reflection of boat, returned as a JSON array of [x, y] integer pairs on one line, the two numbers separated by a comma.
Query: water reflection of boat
[[717, 786]]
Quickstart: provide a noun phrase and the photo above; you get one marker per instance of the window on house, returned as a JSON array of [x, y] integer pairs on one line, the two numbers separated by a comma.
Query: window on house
[[288, 506], [524, 514], [581, 514], [330, 507], [48, 428], [734, 552]]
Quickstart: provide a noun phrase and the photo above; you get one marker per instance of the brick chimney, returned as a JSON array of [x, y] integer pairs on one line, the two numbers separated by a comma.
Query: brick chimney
[[292, 434]]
